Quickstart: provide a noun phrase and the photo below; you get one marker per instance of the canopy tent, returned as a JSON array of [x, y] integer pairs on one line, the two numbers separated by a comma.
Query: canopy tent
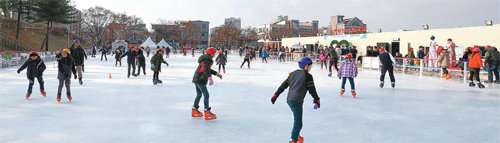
[[164, 44], [149, 43]]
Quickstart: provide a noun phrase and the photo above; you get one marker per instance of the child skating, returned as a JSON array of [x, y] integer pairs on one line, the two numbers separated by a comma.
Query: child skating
[[141, 61], [36, 67], [156, 62], [475, 64], [246, 59], [65, 67], [334, 57], [299, 81], [118, 54], [348, 70], [221, 61], [322, 59], [202, 76], [265, 55], [388, 64], [131, 55]]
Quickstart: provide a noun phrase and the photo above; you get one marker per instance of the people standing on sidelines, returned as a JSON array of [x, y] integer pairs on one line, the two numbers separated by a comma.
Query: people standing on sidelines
[[492, 63]]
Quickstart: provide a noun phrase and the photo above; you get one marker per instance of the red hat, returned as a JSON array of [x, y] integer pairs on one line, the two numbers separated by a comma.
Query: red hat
[[137, 48], [33, 53], [158, 49], [411, 49], [131, 47], [487, 47], [211, 50], [381, 50], [220, 52], [475, 49], [322, 52], [349, 56]]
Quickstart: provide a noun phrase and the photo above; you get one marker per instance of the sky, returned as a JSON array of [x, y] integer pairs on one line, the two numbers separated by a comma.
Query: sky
[[389, 15]]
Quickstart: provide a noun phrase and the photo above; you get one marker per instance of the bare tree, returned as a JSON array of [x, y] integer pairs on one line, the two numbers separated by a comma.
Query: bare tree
[[94, 22], [133, 26], [227, 36]]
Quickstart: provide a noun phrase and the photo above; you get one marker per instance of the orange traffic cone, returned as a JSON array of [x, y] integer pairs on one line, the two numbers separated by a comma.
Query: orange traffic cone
[[109, 76]]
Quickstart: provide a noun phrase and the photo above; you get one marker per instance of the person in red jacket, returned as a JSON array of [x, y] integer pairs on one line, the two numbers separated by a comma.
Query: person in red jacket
[[475, 64]]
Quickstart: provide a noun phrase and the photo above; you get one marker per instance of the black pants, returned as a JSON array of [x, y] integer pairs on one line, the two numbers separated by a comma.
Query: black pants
[[244, 61], [32, 82], [474, 72], [118, 61], [333, 62], [445, 71], [391, 73], [131, 65], [264, 59], [282, 57], [223, 67], [155, 75], [93, 53], [104, 54], [143, 66]]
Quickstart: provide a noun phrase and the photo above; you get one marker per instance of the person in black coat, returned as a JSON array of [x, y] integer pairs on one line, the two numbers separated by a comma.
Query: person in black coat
[[141, 60], [221, 61], [388, 64], [36, 67], [65, 66], [104, 51], [201, 77], [78, 55], [118, 54], [131, 55]]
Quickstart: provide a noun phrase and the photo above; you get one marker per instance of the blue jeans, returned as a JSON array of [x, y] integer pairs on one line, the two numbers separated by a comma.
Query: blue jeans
[[492, 70], [201, 89], [351, 81], [297, 118]]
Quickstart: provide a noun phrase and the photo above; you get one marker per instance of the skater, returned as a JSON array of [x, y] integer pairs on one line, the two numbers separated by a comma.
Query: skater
[[264, 55], [246, 59], [148, 50], [444, 61], [167, 51], [156, 62], [141, 61], [322, 59], [475, 64], [94, 51], [78, 55], [432, 52], [492, 62], [221, 61], [104, 51], [348, 70], [118, 54], [388, 64], [65, 66], [192, 51], [36, 67], [202, 76], [299, 81], [334, 57], [131, 55]]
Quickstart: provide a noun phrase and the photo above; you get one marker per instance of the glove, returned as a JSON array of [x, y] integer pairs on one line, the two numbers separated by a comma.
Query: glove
[[210, 81], [219, 75], [273, 99], [338, 75], [152, 66], [18, 72], [119, 59], [316, 104], [166, 64]]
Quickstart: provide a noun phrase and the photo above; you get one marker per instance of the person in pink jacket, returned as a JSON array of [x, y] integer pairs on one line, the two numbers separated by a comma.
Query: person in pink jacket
[[322, 59]]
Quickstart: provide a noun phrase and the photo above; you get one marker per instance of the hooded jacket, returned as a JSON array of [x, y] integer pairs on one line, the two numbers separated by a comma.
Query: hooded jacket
[[204, 70], [35, 67]]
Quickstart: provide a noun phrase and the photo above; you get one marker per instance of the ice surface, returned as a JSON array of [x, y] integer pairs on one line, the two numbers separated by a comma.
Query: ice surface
[[134, 110]]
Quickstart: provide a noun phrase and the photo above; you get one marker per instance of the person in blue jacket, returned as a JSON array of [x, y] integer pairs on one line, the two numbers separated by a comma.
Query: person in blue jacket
[[264, 55]]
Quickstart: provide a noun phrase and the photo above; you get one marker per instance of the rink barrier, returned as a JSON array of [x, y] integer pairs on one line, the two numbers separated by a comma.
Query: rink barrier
[[10, 59]]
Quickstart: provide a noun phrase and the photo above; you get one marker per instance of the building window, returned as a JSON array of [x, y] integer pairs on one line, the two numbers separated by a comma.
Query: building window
[[204, 26]]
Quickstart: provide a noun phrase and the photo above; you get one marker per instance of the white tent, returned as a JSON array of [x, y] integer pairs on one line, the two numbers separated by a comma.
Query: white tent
[[149, 43], [164, 44]]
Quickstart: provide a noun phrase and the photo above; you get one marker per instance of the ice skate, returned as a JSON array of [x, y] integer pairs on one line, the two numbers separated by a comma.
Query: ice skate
[[353, 94], [393, 84], [155, 82], [43, 93], [330, 74], [381, 84], [471, 84], [448, 77], [480, 85], [58, 97], [209, 115], [80, 81], [342, 92], [28, 95], [196, 113]]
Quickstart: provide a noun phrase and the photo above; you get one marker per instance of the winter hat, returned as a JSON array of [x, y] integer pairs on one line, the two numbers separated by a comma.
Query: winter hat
[[220, 52], [475, 49], [432, 37], [137, 48], [211, 50], [381, 50], [411, 49], [305, 61], [67, 51], [118, 51], [131, 47], [33, 53], [158, 49], [76, 41], [349, 56], [487, 47]]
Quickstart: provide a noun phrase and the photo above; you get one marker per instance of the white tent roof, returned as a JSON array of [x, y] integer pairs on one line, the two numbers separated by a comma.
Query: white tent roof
[[163, 43], [149, 43]]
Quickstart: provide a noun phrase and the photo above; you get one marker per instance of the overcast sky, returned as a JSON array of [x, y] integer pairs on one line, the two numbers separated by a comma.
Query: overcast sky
[[390, 15]]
